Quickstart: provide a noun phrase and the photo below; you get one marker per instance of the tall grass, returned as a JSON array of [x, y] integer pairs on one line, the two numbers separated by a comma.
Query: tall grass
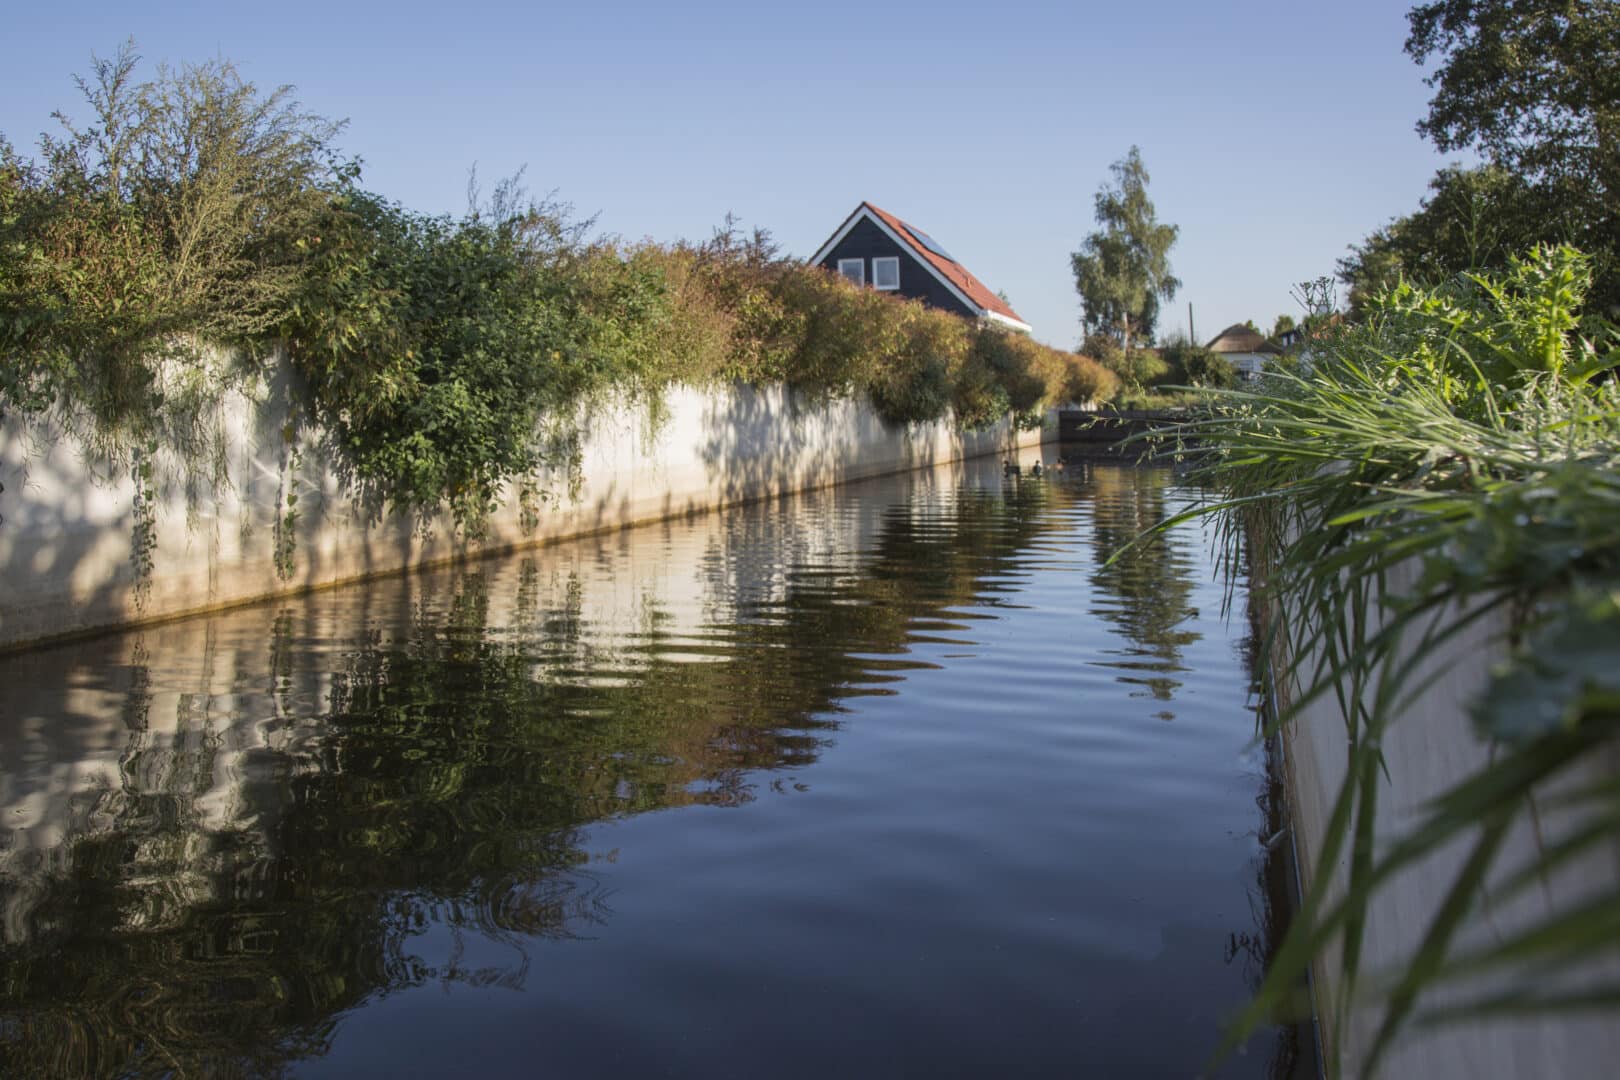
[[1466, 432]]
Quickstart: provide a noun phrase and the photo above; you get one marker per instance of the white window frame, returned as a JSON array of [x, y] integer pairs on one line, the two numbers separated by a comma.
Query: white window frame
[[860, 270], [876, 277]]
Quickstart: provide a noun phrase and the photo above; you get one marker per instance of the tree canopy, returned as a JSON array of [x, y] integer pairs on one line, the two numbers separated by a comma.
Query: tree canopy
[[1532, 87], [1122, 271], [1471, 219]]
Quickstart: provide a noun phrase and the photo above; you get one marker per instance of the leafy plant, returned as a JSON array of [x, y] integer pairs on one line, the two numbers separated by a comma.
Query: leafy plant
[[435, 350], [1136, 369], [138, 243], [1459, 431], [144, 258], [150, 258]]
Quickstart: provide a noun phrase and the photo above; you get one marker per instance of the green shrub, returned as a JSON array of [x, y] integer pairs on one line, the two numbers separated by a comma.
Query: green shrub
[[436, 351], [1190, 364], [694, 335], [913, 383], [136, 244], [979, 398], [1135, 370], [198, 224], [1083, 380]]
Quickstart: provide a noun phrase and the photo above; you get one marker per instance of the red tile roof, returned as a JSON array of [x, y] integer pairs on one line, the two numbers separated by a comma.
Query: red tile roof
[[954, 272]]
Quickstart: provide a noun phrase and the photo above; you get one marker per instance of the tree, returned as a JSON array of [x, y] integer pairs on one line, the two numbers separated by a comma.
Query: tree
[[1122, 271], [1206, 367], [1471, 220], [1533, 87], [1283, 324]]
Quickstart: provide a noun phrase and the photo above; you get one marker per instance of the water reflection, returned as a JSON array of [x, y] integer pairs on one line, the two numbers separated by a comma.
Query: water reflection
[[1145, 590], [223, 836]]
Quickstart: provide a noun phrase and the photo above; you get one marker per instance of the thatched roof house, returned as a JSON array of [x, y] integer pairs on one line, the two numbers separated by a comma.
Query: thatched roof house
[[1239, 338], [1245, 348]]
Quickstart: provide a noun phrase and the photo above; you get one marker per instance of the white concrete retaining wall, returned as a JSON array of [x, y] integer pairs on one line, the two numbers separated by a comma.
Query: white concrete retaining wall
[[65, 537], [1428, 750]]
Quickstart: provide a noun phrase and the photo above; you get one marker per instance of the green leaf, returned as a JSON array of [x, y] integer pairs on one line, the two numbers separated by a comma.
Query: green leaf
[[1568, 670]]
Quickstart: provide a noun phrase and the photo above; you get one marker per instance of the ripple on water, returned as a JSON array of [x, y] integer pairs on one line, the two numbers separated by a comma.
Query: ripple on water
[[907, 777]]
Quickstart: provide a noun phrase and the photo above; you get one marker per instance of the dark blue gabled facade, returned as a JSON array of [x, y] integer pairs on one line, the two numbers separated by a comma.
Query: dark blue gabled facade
[[925, 271], [866, 241]]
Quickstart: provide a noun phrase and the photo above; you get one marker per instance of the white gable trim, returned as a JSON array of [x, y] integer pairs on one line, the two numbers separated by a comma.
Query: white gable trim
[[863, 212], [838, 237], [996, 316]]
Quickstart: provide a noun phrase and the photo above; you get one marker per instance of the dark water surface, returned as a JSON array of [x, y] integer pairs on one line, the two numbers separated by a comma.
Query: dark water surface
[[894, 780]]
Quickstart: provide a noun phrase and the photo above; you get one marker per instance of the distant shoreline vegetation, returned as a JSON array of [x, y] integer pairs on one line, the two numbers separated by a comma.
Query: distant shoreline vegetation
[[151, 261]]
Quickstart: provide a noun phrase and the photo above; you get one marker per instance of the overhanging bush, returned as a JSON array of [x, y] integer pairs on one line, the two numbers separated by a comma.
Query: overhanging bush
[[195, 225], [137, 246]]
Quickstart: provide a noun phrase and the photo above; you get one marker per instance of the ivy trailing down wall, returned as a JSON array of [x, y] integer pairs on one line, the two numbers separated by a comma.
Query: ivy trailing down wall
[[1469, 431], [154, 258]]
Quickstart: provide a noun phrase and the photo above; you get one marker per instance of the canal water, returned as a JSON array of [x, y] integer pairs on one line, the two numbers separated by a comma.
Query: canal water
[[899, 779]]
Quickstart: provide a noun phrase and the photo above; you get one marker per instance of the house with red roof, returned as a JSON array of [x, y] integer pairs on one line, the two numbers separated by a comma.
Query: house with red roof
[[873, 247]]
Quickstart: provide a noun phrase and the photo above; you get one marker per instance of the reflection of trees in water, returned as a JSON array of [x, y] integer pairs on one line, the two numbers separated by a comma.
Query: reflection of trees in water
[[1147, 589], [439, 776]]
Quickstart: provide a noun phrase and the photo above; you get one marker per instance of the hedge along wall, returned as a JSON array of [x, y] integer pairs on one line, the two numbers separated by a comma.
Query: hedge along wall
[[199, 244], [285, 518]]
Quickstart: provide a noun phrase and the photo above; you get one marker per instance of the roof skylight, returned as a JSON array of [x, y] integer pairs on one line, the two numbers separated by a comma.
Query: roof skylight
[[928, 242]]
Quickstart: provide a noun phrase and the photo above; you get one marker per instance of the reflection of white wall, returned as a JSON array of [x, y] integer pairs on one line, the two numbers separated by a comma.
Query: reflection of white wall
[[81, 744], [65, 540], [201, 713]]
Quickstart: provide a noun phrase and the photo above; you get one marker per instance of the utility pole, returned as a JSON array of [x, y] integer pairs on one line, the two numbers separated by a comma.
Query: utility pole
[[1191, 332]]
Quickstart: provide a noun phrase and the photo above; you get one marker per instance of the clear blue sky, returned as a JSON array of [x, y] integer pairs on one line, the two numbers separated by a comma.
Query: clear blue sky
[[1275, 133]]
